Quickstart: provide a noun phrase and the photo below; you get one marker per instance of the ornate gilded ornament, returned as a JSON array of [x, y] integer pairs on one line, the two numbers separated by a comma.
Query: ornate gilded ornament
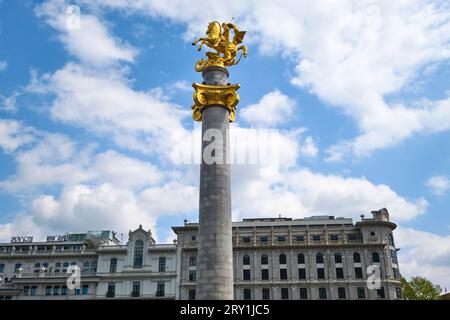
[[206, 95], [218, 39]]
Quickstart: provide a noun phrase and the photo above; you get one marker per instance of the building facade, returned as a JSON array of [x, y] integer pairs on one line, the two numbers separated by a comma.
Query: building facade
[[319, 257], [313, 258], [139, 269]]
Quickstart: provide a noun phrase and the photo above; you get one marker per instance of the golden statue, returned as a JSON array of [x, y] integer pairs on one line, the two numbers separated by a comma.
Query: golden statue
[[219, 40]]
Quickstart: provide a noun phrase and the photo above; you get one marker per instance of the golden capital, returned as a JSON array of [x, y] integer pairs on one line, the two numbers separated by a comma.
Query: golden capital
[[206, 95]]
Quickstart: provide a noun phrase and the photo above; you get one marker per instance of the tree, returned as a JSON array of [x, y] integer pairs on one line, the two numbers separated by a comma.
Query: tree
[[419, 288]]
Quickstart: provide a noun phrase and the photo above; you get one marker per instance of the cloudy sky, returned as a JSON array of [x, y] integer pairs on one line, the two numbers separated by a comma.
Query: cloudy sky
[[90, 116]]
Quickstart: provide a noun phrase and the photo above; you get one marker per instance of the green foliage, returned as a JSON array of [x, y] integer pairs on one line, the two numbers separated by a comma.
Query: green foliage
[[419, 288]]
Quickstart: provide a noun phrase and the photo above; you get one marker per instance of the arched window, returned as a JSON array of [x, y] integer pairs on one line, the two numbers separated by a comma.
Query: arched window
[[138, 253], [246, 260], [337, 257], [375, 257], [264, 259], [356, 257], [162, 264], [301, 258], [319, 258], [192, 261], [282, 258]]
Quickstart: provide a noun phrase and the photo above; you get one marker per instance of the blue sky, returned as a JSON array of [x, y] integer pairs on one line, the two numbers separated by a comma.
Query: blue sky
[[358, 91]]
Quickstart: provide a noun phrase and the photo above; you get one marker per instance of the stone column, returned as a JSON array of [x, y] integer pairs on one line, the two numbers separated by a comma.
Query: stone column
[[215, 253]]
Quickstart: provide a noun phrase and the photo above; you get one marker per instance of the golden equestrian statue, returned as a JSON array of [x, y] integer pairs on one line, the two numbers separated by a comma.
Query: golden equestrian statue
[[218, 38]]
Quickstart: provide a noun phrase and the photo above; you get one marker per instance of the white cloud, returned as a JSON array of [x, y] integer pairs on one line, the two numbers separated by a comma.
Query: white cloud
[[182, 85], [439, 185], [273, 108], [9, 102], [126, 172], [349, 54], [424, 254], [91, 43], [84, 207], [103, 102], [309, 147], [299, 192], [3, 65], [13, 135], [54, 160]]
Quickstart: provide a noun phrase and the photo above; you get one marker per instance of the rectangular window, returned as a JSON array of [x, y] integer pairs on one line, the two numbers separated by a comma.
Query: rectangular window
[[322, 293], [302, 273], [2, 267], [320, 273], [394, 256], [111, 290], [191, 294], [246, 274], [17, 267], [64, 290], [395, 273], [283, 274], [300, 238], [339, 273], [334, 237], [192, 275], [33, 291], [352, 236], [160, 289], [58, 265], [265, 274], [162, 264], [399, 293], [85, 289], [303, 293], [341, 293], [361, 292], [113, 265], [284, 293], [77, 291], [26, 290], [246, 239], [136, 292], [48, 290], [192, 261], [380, 293], [316, 237], [56, 291], [358, 273], [247, 294], [281, 238], [266, 294], [263, 240]]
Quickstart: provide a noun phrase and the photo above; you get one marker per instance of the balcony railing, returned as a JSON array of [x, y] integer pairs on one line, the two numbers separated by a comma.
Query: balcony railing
[[51, 274]]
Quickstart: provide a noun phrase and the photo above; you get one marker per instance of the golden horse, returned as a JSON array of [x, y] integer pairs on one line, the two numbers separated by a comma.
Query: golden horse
[[226, 50]]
